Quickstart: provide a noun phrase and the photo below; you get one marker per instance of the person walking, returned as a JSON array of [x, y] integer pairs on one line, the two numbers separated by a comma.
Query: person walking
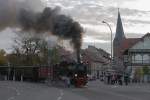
[[113, 79], [109, 78], [119, 79], [68, 81], [126, 78]]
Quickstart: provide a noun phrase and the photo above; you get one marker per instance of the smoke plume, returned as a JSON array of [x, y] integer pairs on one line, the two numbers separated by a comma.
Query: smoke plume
[[25, 15]]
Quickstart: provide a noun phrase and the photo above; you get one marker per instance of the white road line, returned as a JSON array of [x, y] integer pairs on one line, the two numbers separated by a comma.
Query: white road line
[[59, 98], [61, 94], [114, 86], [17, 93], [11, 98]]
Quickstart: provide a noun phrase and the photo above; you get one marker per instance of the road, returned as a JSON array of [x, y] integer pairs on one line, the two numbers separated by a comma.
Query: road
[[94, 91], [99, 91], [31, 91]]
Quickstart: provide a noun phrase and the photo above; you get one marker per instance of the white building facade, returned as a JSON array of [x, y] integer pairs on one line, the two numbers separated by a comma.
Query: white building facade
[[98, 60], [137, 57]]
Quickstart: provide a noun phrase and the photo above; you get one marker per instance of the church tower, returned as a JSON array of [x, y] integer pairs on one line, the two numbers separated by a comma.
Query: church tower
[[117, 45], [119, 37]]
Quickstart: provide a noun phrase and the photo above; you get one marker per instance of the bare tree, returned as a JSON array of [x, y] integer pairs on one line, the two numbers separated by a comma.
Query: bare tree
[[30, 49]]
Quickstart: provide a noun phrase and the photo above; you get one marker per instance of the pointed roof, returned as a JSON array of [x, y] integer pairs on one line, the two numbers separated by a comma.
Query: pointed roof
[[130, 42], [119, 29]]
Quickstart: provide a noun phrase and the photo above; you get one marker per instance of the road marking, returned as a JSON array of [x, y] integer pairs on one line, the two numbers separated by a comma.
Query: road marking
[[59, 98], [17, 93], [11, 98], [114, 86], [61, 94]]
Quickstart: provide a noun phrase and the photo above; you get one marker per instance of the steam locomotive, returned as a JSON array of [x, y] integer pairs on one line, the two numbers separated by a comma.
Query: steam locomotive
[[77, 72]]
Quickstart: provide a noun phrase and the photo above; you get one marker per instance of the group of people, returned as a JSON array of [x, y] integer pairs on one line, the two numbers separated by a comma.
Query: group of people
[[115, 78]]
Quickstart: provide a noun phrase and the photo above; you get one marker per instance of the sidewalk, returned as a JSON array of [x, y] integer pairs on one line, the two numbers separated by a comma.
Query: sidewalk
[[98, 83]]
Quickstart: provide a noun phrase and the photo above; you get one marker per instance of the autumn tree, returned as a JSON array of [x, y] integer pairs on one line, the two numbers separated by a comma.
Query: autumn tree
[[3, 60], [55, 56], [146, 70]]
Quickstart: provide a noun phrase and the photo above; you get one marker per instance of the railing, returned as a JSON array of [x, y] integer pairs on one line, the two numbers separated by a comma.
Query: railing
[[141, 61], [138, 63], [19, 66], [139, 50]]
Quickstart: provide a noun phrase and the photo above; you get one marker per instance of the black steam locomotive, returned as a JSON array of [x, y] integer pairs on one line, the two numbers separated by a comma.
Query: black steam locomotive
[[77, 72]]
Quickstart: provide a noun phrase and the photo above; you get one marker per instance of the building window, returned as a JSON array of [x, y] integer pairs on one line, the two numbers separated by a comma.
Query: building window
[[125, 58], [137, 58], [133, 59], [146, 58]]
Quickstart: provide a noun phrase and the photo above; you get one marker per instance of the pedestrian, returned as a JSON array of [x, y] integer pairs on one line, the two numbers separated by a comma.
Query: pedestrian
[[116, 78], [120, 79], [101, 78], [126, 78], [68, 81], [113, 79], [109, 78]]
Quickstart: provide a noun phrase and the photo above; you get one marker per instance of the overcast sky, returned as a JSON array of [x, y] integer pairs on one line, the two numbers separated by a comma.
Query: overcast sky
[[90, 13]]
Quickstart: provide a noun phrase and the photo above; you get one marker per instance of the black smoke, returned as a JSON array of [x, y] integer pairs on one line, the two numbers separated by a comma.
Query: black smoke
[[15, 14], [50, 20], [9, 9]]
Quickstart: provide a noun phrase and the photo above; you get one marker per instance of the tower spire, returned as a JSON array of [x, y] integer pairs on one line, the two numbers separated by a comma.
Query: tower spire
[[119, 29]]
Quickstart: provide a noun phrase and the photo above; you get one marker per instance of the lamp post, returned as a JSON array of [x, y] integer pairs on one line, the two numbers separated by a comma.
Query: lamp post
[[111, 38]]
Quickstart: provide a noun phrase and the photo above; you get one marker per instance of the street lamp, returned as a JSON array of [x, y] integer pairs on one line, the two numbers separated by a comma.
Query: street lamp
[[111, 38]]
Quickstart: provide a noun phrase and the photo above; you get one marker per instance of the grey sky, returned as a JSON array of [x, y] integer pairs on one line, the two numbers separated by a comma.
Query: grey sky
[[135, 16]]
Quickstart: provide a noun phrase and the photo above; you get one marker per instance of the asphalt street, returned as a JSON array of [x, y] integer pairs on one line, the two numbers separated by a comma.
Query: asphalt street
[[10, 90], [100, 91], [95, 90]]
